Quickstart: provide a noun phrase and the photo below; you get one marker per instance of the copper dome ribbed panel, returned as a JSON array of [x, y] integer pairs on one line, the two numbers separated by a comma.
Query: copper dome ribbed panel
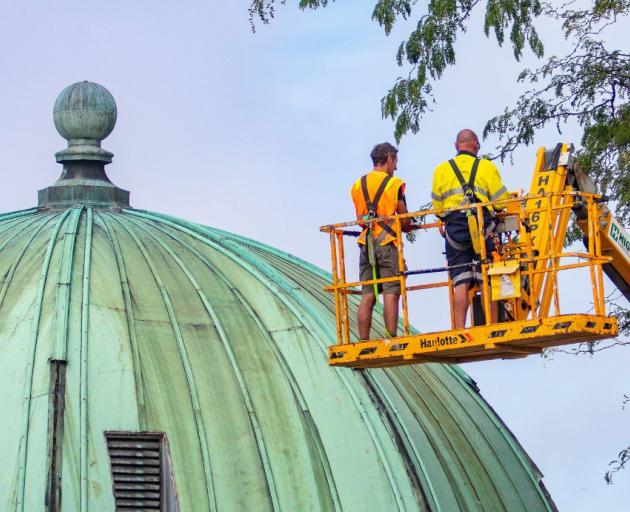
[[219, 342]]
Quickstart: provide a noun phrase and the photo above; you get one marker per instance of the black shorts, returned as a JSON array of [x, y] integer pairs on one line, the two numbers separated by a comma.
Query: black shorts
[[386, 266], [461, 250]]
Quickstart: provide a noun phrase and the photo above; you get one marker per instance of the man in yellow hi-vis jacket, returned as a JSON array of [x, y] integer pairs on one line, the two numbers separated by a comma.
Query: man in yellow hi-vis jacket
[[379, 194], [456, 182]]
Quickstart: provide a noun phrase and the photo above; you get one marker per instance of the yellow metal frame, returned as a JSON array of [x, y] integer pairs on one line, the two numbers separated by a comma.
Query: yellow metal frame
[[537, 244], [506, 340]]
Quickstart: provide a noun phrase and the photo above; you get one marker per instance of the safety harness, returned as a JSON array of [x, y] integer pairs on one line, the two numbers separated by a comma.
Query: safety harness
[[372, 206], [469, 199]]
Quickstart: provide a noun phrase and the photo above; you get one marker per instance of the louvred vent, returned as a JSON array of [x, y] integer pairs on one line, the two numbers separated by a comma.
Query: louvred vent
[[138, 470]]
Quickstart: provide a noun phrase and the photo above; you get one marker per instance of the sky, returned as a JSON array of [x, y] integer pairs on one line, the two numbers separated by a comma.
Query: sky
[[263, 134]]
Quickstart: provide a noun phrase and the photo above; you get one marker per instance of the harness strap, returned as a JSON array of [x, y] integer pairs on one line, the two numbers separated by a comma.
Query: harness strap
[[458, 246], [381, 189], [489, 230], [372, 204], [387, 228], [458, 173], [473, 174], [366, 195], [468, 188]]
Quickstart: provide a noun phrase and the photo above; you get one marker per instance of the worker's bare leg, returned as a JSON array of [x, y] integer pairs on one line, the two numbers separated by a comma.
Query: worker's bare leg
[[390, 304], [460, 304], [364, 315]]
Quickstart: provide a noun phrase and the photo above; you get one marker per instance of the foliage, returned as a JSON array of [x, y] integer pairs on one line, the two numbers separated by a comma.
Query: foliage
[[430, 48], [617, 464], [574, 233], [412, 236], [590, 84], [264, 10], [606, 155]]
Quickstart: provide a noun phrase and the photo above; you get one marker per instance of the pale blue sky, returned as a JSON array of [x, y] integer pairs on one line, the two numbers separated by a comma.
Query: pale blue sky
[[263, 135]]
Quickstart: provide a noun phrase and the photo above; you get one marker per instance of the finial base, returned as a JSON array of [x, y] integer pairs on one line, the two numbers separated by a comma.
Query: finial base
[[83, 182], [69, 196]]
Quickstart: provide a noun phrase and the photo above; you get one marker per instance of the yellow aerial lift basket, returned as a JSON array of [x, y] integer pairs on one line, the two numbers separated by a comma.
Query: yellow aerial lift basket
[[522, 276]]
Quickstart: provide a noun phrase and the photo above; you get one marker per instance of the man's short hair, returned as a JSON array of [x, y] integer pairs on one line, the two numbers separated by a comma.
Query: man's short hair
[[381, 152]]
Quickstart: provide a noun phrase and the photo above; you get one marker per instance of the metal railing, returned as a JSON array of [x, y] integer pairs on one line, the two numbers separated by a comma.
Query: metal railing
[[540, 257]]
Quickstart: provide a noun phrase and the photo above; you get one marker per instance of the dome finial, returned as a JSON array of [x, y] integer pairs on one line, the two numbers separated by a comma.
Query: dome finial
[[84, 115]]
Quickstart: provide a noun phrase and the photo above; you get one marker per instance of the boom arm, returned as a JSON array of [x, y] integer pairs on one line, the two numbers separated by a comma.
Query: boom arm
[[615, 239], [547, 224], [556, 171]]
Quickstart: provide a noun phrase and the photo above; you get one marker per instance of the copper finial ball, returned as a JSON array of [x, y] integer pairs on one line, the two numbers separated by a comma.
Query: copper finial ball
[[85, 111], [84, 114]]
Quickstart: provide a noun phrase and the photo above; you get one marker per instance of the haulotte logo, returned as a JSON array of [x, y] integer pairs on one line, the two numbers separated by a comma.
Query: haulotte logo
[[442, 341]]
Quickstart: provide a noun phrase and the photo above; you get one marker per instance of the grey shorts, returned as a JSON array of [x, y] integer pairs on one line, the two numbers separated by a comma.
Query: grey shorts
[[386, 266]]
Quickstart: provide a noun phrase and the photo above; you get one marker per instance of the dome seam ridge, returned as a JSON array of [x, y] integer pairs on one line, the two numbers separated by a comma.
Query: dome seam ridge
[[9, 277], [30, 361], [192, 388], [131, 322], [249, 407], [239, 254], [83, 361], [284, 367], [482, 434]]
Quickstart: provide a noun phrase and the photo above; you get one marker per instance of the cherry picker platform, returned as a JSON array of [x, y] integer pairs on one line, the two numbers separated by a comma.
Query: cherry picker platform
[[521, 276]]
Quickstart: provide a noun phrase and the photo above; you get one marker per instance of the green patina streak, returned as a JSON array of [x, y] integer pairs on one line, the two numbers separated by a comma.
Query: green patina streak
[[85, 314]]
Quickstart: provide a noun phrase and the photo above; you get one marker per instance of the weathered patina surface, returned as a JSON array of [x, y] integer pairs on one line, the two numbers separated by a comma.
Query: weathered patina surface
[[220, 342]]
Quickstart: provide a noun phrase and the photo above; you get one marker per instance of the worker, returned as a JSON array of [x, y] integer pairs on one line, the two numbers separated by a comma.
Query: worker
[[462, 180], [379, 194]]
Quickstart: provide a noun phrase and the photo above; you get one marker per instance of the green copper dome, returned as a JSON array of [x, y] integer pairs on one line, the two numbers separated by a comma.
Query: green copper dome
[[114, 319]]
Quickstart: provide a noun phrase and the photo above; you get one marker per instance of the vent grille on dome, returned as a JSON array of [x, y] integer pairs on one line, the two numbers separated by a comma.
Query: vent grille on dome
[[141, 471]]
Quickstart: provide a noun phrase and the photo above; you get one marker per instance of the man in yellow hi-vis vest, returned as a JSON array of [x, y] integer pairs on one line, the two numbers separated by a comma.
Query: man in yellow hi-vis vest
[[466, 179], [379, 194]]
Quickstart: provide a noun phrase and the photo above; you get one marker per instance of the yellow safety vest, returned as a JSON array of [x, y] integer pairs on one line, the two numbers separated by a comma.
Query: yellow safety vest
[[447, 191], [383, 203]]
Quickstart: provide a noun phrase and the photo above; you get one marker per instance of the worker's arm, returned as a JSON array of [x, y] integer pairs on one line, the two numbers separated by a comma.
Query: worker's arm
[[401, 207], [496, 189], [436, 192], [437, 201]]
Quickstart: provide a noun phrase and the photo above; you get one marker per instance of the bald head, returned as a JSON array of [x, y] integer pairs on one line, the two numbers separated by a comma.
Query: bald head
[[467, 140]]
